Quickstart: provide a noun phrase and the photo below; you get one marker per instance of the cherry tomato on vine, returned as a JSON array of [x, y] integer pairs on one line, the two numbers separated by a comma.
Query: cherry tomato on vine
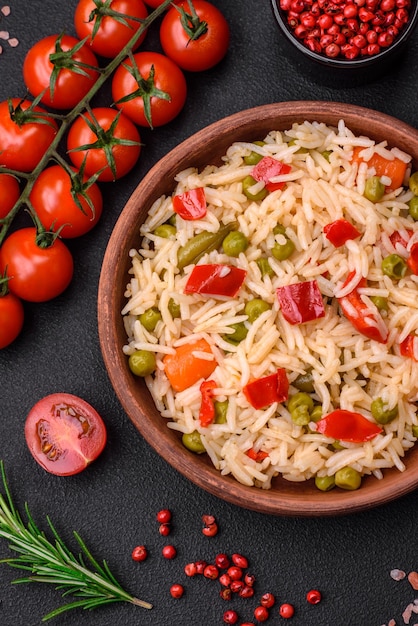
[[9, 193], [53, 198], [64, 433], [35, 273], [11, 317], [154, 4], [113, 153], [112, 34], [204, 42], [26, 132], [62, 66], [158, 84]]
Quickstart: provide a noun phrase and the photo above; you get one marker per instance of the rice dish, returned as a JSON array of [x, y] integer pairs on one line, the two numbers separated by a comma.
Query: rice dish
[[347, 369]]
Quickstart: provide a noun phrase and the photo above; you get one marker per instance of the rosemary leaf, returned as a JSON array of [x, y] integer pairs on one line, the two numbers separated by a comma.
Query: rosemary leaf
[[51, 561]]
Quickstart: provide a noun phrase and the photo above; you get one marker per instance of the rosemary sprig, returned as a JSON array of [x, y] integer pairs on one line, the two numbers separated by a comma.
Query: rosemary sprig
[[51, 561]]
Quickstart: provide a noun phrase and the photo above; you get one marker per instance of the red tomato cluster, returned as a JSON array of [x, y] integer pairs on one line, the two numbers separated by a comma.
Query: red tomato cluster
[[103, 144]]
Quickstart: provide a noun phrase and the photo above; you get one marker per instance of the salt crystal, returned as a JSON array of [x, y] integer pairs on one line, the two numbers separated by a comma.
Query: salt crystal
[[4, 34], [413, 580], [397, 574], [5, 10], [13, 42]]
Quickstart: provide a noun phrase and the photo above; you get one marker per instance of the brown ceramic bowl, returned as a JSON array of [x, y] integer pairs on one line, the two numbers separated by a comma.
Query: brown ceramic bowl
[[203, 148]]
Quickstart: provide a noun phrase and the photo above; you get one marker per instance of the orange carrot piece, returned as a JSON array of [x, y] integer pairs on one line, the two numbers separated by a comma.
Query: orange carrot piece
[[184, 368], [394, 169]]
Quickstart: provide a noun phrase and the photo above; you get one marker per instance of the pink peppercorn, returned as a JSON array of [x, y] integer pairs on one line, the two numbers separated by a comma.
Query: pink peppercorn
[[287, 610], [314, 596]]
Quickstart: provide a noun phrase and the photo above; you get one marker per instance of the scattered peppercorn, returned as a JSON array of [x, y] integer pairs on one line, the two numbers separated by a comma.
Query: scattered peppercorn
[[139, 553], [287, 610], [169, 552], [164, 516], [164, 529], [230, 617], [314, 596], [267, 600], [261, 613], [177, 590]]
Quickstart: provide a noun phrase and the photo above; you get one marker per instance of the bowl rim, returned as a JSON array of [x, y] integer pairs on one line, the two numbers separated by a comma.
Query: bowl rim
[[362, 62], [110, 325]]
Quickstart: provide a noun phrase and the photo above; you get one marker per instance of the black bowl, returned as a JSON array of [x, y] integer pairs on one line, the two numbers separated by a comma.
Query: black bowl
[[361, 68]]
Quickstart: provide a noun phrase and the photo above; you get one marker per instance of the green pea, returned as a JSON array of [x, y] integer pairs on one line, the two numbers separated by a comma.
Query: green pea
[[165, 230], [413, 208], [348, 478], [247, 183], [300, 406], [326, 154], [336, 445], [150, 318], [374, 189], [239, 334], [234, 243], [221, 409], [300, 399], [254, 157], [254, 308], [380, 302], [324, 483], [282, 251], [316, 413], [415, 431], [172, 219], [142, 363], [193, 442], [394, 266], [413, 183], [381, 413], [265, 267], [174, 308], [304, 382]]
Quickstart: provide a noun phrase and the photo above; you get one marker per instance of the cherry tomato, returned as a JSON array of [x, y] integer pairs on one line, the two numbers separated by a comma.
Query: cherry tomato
[[124, 155], [23, 144], [112, 34], [71, 81], [154, 4], [64, 434], [11, 318], [9, 193], [161, 90], [36, 273], [192, 51], [54, 203]]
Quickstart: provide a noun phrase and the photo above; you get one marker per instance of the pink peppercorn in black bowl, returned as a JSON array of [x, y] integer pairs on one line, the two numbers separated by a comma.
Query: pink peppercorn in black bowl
[[351, 37]]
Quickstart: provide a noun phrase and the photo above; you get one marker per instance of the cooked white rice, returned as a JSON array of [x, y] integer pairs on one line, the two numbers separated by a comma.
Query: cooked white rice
[[349, 370]]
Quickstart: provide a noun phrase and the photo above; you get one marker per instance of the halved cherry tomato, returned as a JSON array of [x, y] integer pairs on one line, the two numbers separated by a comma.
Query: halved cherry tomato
[[35, 273], [53, 198], [9, 193], [204, 42], [60, 66], [11, 318], [151, 91], [87, 141], [347, 426], [108, 34], [64, 434], [24, 143]]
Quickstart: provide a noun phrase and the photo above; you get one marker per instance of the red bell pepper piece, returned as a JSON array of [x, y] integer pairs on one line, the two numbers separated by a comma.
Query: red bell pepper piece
[[370, 325], [264, 391], [347, 426], [268, 168], [256, 456], [191, 205], [215, 280], [412, 261], [340, 231], [207, 406], [396, 237], [409, 347], [301, 302]]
